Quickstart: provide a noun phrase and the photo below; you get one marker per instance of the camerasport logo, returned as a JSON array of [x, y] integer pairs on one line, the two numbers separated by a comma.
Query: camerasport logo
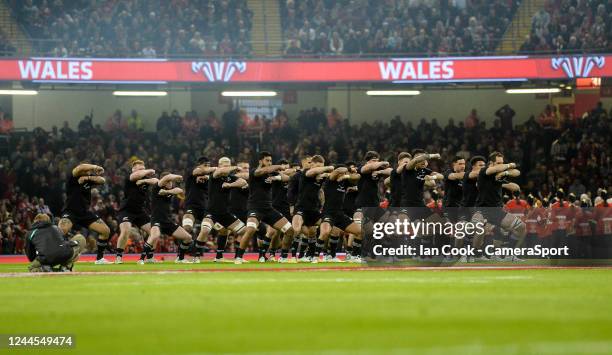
[[218, 71], [55, 70], [578, 67], [407, 70]]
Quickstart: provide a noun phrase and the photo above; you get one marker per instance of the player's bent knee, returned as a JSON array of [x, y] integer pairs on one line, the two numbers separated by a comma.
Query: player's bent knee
[[287, 228]]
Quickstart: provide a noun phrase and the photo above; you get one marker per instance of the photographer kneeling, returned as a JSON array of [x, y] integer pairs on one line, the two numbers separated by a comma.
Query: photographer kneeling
[[46, 246]]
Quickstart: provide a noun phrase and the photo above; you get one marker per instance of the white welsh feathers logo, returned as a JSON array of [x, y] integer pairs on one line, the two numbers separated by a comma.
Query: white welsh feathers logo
[[578, 67], [218, 71]]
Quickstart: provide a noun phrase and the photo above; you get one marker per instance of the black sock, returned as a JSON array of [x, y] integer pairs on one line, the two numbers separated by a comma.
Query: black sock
[[199, 247], [265, 244], [120, 252], [285, 253], [356, 248], [312, 246], [319, 245], [221, 242], [183, 247], [303, 247], [147, 251], [333, 246], [239, 253], [101, 244], [294, 246]]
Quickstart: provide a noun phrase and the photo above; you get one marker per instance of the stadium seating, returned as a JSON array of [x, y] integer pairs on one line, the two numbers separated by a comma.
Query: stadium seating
[[410, 27], [137, 28], [567, 27]]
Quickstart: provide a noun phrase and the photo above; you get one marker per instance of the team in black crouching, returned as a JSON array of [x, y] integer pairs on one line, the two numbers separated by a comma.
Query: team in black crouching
[[304, 210]]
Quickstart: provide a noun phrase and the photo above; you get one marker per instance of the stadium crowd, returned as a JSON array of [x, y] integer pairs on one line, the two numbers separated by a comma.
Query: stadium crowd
[[136, 27], [554, 151], [428, 28], [571, 27]]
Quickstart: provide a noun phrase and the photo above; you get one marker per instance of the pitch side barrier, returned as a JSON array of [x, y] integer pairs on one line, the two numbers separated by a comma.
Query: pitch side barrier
[[448, 236]]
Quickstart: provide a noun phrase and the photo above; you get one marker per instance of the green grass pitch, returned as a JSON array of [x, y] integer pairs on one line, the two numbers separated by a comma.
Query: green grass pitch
[[549, 311]]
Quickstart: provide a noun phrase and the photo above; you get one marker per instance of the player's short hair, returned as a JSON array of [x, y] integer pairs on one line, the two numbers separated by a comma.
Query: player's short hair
[[456, 158], [494, 156], [282, 162], [264, 154], [475, 159], [306, 157], [42, 217], [349, 163], [203, 160], [318, 159], [371, 155], [403, 155], [225, 159], [137, 162], [164, 173], [417, 151]]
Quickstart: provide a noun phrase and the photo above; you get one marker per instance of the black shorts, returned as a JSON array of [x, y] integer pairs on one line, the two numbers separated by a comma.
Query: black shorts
[[136, 219], [166, 227], [284, 211], [241, 215], [310, 218], [373, 214], [337, 219], [80, 220], [493, 215], [267, 215], [198, 213], [225, 219]]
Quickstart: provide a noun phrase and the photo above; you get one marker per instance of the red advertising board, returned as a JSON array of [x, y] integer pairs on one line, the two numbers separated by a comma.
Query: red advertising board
[[394, 70]]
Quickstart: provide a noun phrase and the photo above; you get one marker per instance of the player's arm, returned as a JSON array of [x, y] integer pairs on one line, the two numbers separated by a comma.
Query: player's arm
[[430, 183], [205, 170], [354, 177], [337, 173], [385, 172], [511, 187], [83, 169], [319, 170], [149, 181], [456, 176], [434, 177], [388, 182], [224, 171], [140, 174], [369, 167], [242, 175], [268, 170], [98, 180], [174, 191], [239, 183], [500, 168], [170, 177], [422, 157]]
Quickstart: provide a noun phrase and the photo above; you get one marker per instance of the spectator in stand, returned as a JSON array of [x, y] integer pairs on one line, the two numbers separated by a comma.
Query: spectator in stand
[[505, 114], [116, 122], [472, 120], [134, 122]]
